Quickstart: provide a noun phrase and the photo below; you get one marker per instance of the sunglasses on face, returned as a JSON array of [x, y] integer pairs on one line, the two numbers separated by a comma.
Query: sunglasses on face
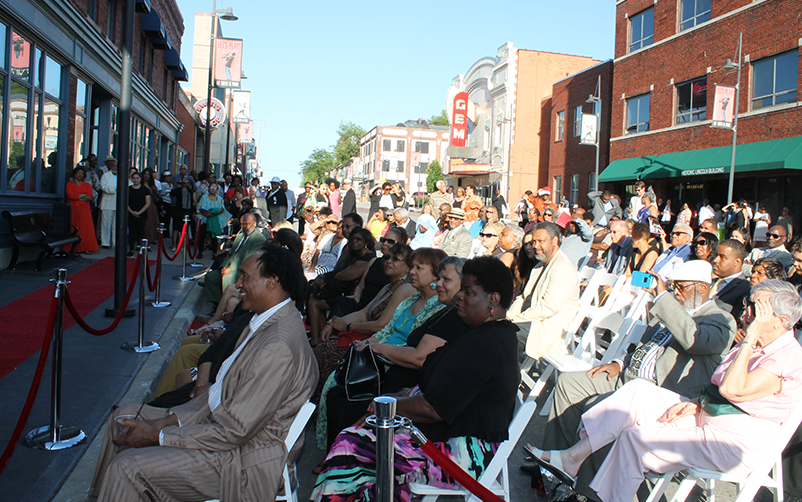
[[388, 241], [701, 242], [397, 259], [488, 235], [775, 236], [680, 287], [677, 233]]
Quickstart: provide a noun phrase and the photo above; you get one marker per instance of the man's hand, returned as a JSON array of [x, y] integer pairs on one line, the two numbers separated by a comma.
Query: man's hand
[[199, 389], [225, 271], [612, 370], [325, 333], [678, 411], [142, 434], [338, 323], [211, 335]]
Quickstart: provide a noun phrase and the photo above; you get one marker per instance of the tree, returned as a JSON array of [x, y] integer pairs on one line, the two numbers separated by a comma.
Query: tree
[[347, 145], [439, 120], [317, 166], [433, 175]]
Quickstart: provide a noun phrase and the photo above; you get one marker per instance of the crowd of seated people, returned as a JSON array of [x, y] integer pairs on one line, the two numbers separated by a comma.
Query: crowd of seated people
[[458, 299]]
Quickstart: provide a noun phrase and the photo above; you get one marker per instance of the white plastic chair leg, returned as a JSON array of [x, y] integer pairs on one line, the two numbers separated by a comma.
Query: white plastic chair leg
[[684, 489]]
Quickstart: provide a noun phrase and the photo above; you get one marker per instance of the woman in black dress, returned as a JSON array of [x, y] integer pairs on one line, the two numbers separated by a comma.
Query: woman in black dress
[[139, 200]]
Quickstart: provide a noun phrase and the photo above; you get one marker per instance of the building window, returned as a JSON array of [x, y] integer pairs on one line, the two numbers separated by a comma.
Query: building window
[[386, 145], [560, 125], [692, 100], [110, 19], [693, 12], [400, 145], [641, 30], [423, 168], [592, 181], [399, 167], [91, 10], [574, 189], [638, 113], [774, 80], [422, 146], [143, 43], [81, 99], [558, 188], [385, 165], [577, 121]]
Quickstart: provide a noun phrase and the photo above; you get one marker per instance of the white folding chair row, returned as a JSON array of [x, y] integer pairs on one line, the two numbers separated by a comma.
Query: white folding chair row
[[584, 261], [631, 301], [767, 472], [496, 477], [296, 429]]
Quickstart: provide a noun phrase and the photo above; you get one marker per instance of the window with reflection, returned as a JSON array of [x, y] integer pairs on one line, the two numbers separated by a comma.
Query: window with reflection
[[17, 136], [774, 79], [20, 57], [692, 100]]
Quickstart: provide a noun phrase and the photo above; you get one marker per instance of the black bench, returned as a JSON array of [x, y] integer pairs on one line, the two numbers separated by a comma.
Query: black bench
[[34, 228]]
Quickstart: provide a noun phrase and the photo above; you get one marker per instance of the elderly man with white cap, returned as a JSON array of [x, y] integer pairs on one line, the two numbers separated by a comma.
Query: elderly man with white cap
[[686, 340], [276, 202], [456, 239]]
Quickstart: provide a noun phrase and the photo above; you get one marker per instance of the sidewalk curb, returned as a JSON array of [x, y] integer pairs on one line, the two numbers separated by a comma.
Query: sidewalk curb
[[76, 486]]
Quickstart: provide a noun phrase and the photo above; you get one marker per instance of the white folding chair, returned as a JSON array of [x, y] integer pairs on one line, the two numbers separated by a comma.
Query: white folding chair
[[496, 477], [584, 261], [767, 472], [296, 429]]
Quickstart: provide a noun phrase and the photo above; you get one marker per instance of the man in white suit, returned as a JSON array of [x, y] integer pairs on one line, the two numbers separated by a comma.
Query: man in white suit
[[108, 204], [229, 442], [550, 299]]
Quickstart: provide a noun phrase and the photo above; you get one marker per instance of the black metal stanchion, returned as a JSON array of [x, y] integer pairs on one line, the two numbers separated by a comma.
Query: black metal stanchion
[[183, 276], [142, 346], [198, 247], [56, 436], [158, 303]]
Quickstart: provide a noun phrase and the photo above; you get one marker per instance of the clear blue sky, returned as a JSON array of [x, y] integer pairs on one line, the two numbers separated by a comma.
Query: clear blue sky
[[314, 64]]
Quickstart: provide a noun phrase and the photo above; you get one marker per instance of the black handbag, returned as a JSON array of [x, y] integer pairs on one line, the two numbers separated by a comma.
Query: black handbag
[[360, 374]]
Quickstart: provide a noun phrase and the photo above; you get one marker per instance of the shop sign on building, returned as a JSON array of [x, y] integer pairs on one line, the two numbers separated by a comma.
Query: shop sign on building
[[703, 171], [227, 62], [459, 122], [217, 113], [588, 135], [723, 107]]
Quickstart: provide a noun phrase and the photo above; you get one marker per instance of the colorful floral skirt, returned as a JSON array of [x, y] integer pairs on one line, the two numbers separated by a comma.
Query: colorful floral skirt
[[349, 472]]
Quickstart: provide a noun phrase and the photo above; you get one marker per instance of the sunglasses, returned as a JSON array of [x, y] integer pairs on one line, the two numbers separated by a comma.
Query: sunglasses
[[674, 285], [396, 259], [488, 235], [677, 233], [775, 236], [387, 241], [702, 242]]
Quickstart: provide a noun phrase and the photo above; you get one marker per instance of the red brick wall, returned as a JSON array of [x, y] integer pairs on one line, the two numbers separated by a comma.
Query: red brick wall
[[767, 28], [186, 138], [569, 157]]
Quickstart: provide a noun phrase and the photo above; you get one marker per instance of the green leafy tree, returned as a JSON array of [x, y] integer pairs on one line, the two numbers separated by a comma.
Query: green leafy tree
[[433, 175], [439, 120], [316, 168], [348, 135]]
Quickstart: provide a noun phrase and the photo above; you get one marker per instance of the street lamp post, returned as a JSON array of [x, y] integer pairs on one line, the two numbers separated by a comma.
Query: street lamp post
[[597, 104], [729, 65], [227, 15]]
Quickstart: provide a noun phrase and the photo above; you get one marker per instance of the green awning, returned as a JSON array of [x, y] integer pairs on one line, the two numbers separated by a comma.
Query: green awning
[[783, 153], [626, 169]]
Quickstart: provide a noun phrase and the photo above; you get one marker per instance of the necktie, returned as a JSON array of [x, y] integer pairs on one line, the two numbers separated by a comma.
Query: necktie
[[716, 285]]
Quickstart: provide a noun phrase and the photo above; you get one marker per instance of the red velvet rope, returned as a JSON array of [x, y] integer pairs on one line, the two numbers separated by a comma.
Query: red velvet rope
[[101, 332], [459, 474], [157, 275], [193, 253], [178, 248], [37, 379]]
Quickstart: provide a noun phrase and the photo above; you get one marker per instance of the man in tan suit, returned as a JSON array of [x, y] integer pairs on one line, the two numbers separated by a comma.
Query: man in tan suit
[[550, 299], [229, 442]]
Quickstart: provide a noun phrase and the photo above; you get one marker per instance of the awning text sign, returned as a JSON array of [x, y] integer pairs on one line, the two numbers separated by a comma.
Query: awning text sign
[[706, 170], [723, 107]]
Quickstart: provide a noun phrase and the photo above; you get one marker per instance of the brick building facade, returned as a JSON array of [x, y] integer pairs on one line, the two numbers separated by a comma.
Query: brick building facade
[[668, 60], [571, 165], [60, 67]]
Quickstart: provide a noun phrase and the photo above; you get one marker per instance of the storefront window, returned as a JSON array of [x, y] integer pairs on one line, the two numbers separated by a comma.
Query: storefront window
[[51, 127], [80, 121], [52, 78], [3, 31], [17, 136], [20, 57]]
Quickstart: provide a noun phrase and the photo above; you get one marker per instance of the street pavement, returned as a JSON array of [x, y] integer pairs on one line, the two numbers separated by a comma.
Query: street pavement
[[97, 375]]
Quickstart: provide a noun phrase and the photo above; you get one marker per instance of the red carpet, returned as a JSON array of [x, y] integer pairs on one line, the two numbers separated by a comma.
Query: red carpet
[[88, 289]]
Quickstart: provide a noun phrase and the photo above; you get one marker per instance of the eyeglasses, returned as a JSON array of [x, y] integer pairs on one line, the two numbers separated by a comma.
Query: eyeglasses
[[701, 242], [775, 236], [396, 259], [387, 241], [488, 235], [674, 285]]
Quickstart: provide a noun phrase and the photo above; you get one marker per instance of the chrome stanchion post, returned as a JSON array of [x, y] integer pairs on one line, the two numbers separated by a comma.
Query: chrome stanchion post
[[384, 422], [56, 436], [141, 346], [199, 247], [184, 256], [158, 303]]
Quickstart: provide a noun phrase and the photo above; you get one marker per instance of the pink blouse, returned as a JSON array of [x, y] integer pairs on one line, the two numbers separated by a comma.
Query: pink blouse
[[783, 357]]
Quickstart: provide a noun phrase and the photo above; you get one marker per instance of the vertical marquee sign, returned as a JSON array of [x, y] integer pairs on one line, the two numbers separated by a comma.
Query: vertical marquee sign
[[459, 120]]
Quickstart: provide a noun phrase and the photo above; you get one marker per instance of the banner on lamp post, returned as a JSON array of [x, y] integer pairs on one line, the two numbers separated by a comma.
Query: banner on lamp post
[[241, 107], [589, 135], [227, 62], [459, 120], [723, 107], [246, 132]]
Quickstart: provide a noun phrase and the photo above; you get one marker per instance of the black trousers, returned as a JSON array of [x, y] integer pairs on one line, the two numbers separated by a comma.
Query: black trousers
[[136, 230]]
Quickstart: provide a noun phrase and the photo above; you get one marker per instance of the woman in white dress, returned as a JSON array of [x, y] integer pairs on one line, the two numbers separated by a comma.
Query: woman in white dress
[[762, 221]]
